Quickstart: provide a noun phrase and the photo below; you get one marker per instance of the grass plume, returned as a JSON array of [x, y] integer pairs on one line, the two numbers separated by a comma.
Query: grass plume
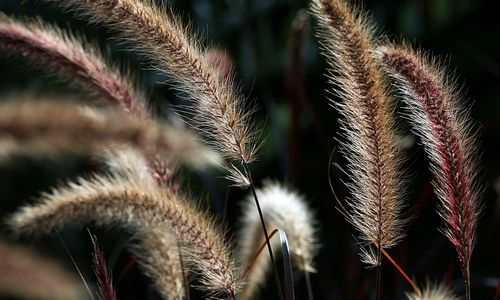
[[283, 209], [159, 253], [77, 61], [52, 127], [218, 108], [368, 127], [159, 258], [129, 204], [446, 132], [433, 292], [73, 59]]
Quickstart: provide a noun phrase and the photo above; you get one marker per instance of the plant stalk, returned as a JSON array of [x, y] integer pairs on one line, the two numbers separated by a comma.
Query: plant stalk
[[379, 273], [466, 271], [264, 229], [401, 271], [310, 294]]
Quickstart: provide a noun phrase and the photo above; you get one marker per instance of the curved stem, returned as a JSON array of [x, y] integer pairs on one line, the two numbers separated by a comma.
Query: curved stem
[[401, 271], [251, 263], [264, 229]]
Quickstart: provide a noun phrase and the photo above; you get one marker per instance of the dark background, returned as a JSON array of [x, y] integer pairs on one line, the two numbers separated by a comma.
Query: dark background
[[285, 77]]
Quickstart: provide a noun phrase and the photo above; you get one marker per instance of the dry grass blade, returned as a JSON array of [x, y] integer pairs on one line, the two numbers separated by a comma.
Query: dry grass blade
[[368, 126], [287, 211], [218, 106], [131, 205], [27, 275], [448, 138], [50, 127], [73, 59]]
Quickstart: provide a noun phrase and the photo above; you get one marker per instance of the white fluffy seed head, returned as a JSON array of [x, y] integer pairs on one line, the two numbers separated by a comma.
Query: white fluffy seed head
[[283, 209], [433, 292]]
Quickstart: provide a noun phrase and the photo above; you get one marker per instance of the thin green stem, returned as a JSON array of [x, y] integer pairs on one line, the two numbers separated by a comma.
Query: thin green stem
[[264, 229]]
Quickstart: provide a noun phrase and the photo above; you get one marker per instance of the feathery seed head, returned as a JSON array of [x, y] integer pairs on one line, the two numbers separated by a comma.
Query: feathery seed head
[[159, 258], [157, 249], [218, 108], [74, 59], [367, 123], [433, 292], [133, 206], [447, 135], [35, 128], [283, 209]]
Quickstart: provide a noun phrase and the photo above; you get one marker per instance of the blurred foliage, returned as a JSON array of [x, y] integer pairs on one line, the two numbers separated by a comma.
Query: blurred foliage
[[299, 130]]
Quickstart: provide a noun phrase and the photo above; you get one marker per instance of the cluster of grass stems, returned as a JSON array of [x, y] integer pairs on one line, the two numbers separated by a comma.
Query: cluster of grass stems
[[178, 244]]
